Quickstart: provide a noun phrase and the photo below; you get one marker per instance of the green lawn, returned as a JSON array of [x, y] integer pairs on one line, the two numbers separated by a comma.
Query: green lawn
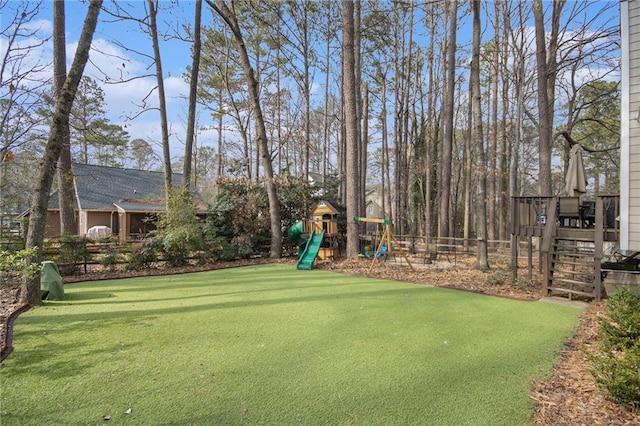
[[273, 345]]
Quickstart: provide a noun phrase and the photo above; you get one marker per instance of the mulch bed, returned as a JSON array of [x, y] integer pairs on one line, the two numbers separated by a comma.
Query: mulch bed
[[568, 397]]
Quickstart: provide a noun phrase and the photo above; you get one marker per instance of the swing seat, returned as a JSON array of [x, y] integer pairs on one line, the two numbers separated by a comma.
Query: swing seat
[[382, 254]]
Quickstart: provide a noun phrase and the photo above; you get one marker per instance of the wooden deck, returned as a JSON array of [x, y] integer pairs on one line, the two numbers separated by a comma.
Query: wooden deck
[[572, 236]]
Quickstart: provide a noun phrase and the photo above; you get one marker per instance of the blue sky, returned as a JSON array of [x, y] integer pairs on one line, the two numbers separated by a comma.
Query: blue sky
[[111, 62]]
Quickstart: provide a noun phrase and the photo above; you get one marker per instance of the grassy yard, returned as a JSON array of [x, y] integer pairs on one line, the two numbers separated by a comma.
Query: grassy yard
[[273, 345]]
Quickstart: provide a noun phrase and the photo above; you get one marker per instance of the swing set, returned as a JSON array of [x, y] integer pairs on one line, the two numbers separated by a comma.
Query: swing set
[[388, 242]]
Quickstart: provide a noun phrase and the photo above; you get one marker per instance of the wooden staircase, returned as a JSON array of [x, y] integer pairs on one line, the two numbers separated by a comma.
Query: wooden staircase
[[571, 245], [573, 257], [572, 269]]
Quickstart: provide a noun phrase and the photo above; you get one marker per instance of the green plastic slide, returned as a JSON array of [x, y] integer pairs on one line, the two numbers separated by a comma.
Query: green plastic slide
[[311, 251], [295, 235]]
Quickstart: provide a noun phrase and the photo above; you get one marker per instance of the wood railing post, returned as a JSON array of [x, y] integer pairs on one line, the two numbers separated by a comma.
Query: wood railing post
[[598, 243]]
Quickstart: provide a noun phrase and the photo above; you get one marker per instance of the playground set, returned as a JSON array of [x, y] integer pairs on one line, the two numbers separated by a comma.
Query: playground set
[[317, 237], [387, 243]]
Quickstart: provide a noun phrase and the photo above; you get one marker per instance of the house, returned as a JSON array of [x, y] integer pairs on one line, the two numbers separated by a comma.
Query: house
[[374, 203], [122, 200], [317, 180], [630, 127]]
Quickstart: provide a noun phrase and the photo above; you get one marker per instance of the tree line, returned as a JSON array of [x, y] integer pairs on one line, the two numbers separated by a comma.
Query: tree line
[[444, 109]]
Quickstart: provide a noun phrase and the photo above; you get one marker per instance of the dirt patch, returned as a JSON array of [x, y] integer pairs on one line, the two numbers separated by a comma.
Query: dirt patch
[[569, 397]]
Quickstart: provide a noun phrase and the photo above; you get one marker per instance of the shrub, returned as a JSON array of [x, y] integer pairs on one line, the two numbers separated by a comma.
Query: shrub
[[179, 228], [221, 249], [616, 366], [143, 256], [242, 246], [72, 253], [177, 245], [498, 277], [111, 258], [12, 265]]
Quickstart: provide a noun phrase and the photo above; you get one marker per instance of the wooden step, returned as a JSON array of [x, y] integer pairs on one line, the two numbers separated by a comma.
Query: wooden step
[[566, 290], [573, 252], [573, 260], [570, 281], [573, 267], [574, 272]]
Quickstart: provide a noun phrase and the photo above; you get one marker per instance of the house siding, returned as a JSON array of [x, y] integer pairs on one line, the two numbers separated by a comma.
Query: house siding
[[52, 227], [631, 216]]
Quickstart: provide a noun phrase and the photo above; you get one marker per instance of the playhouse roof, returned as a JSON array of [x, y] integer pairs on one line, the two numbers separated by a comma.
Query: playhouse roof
[[324, 207]]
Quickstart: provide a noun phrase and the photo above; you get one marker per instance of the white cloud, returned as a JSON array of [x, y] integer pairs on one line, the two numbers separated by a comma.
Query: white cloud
[[43, 27]]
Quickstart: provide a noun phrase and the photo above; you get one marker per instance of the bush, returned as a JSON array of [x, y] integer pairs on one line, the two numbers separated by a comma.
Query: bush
[[13, 266], [221, 249], [143, 256], [242, 246], [179, 228], [617, 363], [72, 253], [111, 258]]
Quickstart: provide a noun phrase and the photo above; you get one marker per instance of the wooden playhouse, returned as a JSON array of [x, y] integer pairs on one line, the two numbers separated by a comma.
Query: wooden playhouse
[[324, 217]]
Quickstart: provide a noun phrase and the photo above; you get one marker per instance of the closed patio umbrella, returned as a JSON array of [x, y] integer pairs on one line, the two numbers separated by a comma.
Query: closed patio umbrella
[[575, 181]]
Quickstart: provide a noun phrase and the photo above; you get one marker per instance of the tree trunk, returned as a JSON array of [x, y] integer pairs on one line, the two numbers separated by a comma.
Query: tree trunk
[[274, 205], [431, 137], [364, 148], [384, 167], [164, 125], [545, 120], [482, 259], [307, 87], [65, 174], [492, 169], [357, 71], [444, 182], [402, 221], [325, 121], [468, 167], [193, 90], [351, 126], [30, 291]]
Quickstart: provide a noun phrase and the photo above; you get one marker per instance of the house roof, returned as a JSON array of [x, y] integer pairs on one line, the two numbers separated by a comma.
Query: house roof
[[103, 188], [316, 178]]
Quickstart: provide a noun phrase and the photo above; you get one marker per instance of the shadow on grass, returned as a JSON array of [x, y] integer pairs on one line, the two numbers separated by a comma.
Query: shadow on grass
[[86, 295], [88, 320], [102, 295], [54, 365]]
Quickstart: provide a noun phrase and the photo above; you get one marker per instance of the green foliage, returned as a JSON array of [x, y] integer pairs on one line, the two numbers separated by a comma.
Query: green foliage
[[144, 255], [622, 330], [241, 208], [221, 249], [240, 214], [296, 197], [111, 257], [242, 246], [179, 228], [12, 264], [499, 277], [72, 252], [617, 364]]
